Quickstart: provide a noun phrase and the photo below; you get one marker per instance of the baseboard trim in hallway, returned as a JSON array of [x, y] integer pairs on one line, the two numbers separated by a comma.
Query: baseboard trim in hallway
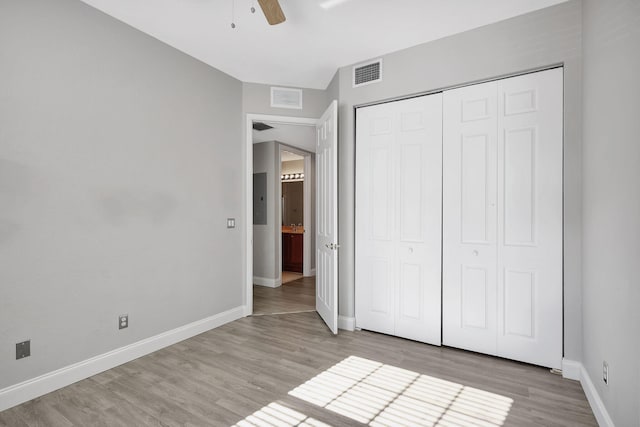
[[51, 381]]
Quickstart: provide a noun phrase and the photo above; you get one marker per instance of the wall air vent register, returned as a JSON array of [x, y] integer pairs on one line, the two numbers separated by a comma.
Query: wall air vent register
[[367, 73]]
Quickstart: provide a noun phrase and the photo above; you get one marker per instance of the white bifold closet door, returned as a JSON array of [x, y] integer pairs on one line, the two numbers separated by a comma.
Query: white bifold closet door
[[502, 218], [398, 211]]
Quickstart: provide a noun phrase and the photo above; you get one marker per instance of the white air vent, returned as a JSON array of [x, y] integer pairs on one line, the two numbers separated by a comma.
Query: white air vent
[[282, 97], [367, 73]]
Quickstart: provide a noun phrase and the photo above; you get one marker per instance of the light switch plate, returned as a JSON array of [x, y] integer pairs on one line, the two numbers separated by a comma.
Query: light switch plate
[[231, 223]]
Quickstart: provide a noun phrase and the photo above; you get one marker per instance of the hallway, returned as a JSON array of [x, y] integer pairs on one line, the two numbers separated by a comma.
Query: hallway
[[292, 297]]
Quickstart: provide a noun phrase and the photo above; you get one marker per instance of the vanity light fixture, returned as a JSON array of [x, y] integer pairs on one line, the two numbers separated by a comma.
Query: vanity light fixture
[[292, 177]]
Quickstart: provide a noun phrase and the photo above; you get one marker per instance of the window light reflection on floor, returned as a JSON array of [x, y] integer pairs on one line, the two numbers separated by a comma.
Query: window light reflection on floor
[[277, 415], [380, 395]]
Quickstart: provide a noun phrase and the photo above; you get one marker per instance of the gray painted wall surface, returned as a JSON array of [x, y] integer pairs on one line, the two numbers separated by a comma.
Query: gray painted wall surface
[[333, 90], [611, 241], [266, 157], [545, 37], [256, 98], [120, 160]]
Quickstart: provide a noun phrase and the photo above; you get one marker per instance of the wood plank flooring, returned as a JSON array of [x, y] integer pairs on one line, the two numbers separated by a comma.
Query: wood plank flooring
[[246, 369], [296, 296], [290, 276]]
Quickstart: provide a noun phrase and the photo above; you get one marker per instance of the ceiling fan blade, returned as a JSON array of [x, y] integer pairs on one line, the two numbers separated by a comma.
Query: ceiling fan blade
[[272, 11]]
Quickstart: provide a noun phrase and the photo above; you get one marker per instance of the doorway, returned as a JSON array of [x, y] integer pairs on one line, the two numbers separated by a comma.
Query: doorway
[[263, 213], [283, 220]]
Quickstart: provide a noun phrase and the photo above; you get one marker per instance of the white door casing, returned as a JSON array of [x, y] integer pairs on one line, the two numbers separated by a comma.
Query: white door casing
[[502, 206], [398, 227], [327, 217]]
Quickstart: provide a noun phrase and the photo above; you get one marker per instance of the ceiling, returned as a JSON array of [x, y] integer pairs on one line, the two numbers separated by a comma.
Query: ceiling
[[288, 156], [318, 37], [298, 136]]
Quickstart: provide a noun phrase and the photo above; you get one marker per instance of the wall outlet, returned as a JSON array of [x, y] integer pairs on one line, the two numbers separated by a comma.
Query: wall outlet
[[23, 349], [123, 321], [605, 372]]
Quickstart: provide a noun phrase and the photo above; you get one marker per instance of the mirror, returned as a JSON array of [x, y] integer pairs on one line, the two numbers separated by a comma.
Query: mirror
[[292, 203]]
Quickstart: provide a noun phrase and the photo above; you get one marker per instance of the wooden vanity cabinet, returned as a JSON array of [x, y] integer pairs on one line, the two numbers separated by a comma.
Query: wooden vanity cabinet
[[292, 250]]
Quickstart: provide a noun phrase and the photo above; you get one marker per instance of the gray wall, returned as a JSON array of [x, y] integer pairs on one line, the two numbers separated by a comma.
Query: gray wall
[[266, 157], [333, 90], [545, 37], [120, 160], [256, 98], [611, 241]]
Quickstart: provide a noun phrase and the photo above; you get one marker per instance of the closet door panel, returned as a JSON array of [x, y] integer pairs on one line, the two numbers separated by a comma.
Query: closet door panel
[[375, 266], [398, 218], [469, 217], [418, 143], [530, 220]]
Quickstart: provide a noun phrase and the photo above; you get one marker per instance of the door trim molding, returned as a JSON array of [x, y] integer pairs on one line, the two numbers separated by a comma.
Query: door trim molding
[[54, 380], [248, 190]]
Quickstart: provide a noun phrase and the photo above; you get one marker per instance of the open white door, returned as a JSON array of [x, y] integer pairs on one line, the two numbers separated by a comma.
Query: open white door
[[327, 217]]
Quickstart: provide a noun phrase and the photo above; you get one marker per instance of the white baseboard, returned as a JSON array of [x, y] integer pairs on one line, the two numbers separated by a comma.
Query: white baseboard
[[312, 272], [346, 323], [571, 369], [35, 387], [270, 283], [247, 310], [597, 405], [576, 371]]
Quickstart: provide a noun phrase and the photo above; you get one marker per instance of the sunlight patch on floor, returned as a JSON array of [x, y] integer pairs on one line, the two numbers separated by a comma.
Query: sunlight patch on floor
[[277, 415], [379, 395]]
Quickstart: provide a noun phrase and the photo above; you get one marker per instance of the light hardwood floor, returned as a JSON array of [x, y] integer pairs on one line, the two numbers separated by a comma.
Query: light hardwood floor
[[247, 369], [291, 297]]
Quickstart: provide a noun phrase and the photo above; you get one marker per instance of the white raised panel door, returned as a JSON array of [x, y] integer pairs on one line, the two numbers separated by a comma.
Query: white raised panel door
[[469, 218], [398, 218], [375, 265], [418, 159], [530, 218], [327, 217]]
